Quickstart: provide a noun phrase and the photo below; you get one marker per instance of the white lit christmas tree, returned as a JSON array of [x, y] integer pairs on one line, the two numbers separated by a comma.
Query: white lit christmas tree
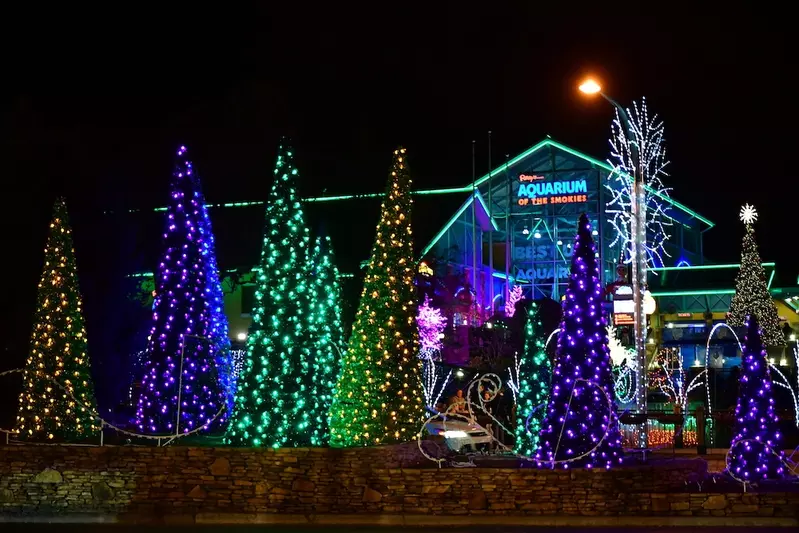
[[751, 289]]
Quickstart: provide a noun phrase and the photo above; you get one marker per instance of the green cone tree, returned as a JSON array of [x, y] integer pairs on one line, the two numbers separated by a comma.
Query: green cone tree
[[379, 399], [751, 289], [328, 333], [275, 402], [534, 370], [58, 351]]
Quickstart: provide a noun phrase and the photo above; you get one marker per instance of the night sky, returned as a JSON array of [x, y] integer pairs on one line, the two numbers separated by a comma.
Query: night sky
[[96, 103]]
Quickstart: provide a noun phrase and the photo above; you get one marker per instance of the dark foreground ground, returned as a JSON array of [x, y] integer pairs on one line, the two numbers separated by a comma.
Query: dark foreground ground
[[88, 528]]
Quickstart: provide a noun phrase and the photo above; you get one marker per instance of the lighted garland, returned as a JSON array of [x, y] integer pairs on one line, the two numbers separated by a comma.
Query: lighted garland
[[162, 439], [491, 384]]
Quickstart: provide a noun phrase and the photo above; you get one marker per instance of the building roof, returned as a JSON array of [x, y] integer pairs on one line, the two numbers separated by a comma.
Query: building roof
[[348, 220]]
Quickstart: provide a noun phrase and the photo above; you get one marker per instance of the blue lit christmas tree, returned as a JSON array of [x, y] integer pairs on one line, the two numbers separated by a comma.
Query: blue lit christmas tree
[[581, 425], [328, 333], [187, 361], [534, 374], [754, 452], [277, 402]]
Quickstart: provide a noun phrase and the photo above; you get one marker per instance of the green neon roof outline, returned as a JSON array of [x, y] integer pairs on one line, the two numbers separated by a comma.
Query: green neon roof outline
[[468, 188], [457, 214], [254, 269], [705, 267], [588, 158]]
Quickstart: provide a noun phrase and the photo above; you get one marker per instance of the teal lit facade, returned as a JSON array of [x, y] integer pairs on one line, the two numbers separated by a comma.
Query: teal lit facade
[[518, 225]]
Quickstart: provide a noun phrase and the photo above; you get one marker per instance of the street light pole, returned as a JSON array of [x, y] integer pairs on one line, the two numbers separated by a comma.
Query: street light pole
[[638, 258]]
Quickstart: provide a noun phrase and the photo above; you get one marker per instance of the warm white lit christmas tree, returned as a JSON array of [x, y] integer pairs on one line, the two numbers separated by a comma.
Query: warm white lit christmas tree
[[751, 289]]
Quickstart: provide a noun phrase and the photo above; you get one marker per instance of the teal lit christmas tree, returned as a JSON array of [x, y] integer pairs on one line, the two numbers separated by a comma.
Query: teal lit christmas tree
[[58, 349], [328, 333], [754, 452], [277, 402], [751, 289], [533, 385], [581, 424], [379, 399]]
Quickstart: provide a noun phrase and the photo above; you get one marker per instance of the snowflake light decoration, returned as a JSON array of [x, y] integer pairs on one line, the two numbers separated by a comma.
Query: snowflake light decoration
[[748, 214], [644, 156]]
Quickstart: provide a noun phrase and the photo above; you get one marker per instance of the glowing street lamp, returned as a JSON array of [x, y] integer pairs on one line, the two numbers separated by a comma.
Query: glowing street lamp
[[638, 252], [589, 86]]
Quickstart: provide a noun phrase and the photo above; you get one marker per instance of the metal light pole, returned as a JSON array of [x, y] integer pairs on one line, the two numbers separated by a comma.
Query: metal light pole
[[639, 259]]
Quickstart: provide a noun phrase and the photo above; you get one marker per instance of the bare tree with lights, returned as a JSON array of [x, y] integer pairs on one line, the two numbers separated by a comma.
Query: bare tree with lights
[[638, 211], [638, 149]]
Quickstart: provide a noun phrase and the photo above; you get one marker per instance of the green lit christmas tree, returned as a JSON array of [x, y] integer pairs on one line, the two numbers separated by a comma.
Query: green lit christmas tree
[[328, 333], [751, 289], [533, 385], [275, 401], [58, 349], [379, 399]]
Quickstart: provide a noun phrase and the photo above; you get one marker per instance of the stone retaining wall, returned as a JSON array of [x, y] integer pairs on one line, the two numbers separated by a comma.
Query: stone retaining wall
[[145, 481]]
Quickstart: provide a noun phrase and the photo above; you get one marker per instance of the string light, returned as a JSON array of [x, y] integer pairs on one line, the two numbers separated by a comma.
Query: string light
[[576, 424], [378, 400], [514, 296], [187, 376], [286, 383], [643, 157], [751, 289], [533, 372], [431, 323], [58, 348], [754, 452]]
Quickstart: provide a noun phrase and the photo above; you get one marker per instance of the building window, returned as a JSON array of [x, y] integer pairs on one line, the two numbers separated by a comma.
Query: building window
[[247, 300]]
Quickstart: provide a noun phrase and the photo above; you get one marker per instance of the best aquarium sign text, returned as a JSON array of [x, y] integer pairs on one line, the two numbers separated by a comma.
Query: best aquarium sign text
[[533, 190]]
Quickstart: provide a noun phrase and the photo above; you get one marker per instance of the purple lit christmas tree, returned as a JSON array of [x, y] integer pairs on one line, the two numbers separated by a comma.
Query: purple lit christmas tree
[[187, 368], [581, 426], [754, 452]]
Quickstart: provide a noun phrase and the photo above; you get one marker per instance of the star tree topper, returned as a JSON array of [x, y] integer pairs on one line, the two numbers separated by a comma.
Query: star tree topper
[[748, 214]]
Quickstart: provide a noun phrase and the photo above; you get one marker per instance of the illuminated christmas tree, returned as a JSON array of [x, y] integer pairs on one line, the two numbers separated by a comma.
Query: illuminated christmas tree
[[378, 399], [58, 349], [186, 377], [754, 450], [328, 334], [277, 403], [533, 387], [751, 289], [581, 425]]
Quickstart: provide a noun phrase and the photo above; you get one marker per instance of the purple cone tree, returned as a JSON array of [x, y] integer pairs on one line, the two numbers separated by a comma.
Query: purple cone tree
[[186, 370], [581, 425], [754, 452]]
